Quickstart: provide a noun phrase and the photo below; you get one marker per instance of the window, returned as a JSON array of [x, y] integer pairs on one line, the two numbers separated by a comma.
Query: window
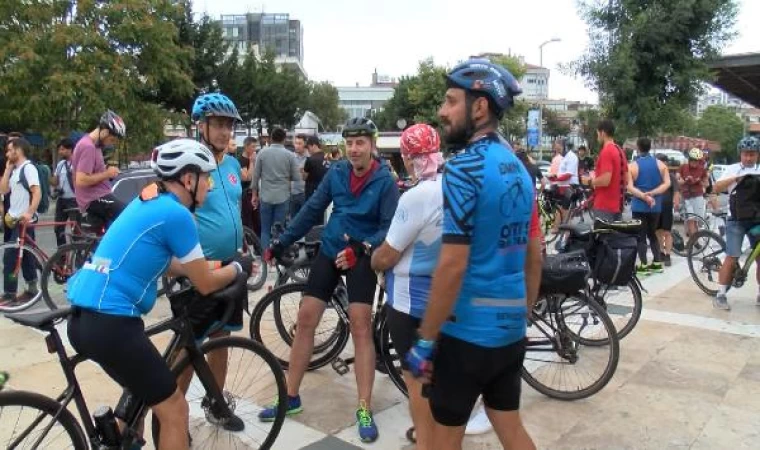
[[235, 32]]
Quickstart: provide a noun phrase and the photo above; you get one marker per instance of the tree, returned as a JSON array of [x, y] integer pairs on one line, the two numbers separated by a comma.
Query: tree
[[554, 126], [284, 92], [588, 121], [323, 101], [427, 91], [647, 57], [721, 124], [398, 107], [680, 122]]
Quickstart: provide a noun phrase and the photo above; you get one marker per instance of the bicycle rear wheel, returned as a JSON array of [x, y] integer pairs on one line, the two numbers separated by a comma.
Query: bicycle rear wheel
[[705, 262], [254, 380], [387, 353], [557, 364], [14, 249], [59, 268], [273, 323], [31, 420], [623, 305], [680, 240]]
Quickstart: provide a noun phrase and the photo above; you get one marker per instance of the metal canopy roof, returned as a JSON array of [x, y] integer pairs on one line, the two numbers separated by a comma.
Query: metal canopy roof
[[739, 75]]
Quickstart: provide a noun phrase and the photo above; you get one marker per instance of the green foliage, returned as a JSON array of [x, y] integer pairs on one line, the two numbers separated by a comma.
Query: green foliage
[[721, 124], [513, 124], [648, 58], [323, 101], [427, 91], [589, 119], [553, 125]]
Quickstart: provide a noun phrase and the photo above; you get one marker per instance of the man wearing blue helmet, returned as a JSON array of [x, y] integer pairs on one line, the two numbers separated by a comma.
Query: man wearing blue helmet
[[471, 341], [738, 227], [220, 227]]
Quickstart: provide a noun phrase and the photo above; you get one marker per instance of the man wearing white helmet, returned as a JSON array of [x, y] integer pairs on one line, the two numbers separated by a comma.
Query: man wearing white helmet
[[155, 232], [693, 180]]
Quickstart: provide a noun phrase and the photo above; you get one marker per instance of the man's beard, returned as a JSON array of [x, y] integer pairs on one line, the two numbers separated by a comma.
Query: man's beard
[[456, 136]]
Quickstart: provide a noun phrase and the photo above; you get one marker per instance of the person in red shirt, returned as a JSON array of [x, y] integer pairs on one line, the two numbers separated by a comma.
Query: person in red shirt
[[693, 179], [611, 176]]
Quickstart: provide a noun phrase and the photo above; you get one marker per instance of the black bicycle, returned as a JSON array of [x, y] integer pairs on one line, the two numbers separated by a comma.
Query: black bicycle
[[42, 422]]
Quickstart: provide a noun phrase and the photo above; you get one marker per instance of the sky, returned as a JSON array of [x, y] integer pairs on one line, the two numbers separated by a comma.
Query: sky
[[346, 40]]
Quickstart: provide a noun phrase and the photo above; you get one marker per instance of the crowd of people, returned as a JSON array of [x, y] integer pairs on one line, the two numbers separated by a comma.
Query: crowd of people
[[461, 250]]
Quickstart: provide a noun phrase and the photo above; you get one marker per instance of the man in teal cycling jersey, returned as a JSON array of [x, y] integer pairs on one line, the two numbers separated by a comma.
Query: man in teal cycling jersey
[[471, 341], [118, 285], [220, 226]]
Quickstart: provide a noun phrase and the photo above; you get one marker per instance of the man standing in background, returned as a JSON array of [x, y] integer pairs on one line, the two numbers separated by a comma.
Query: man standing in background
[[63, 183], [298, 189]]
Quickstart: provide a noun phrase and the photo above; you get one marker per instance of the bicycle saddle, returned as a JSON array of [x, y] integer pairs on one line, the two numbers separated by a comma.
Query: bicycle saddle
[[623, 226], [576, 229], [39, 320]]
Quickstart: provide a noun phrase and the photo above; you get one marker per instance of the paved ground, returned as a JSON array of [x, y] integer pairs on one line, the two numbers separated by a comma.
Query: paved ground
[[688, 378]]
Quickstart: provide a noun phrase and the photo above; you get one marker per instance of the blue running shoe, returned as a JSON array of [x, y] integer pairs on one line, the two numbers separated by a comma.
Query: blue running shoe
[[365, 422], [269, 413]]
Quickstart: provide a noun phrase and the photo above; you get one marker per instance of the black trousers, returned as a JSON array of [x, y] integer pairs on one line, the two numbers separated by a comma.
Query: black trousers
[[65, 210], [649, 222]]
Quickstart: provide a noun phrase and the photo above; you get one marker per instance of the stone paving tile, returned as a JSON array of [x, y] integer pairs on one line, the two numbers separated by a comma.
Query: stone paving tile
[[730, 428]]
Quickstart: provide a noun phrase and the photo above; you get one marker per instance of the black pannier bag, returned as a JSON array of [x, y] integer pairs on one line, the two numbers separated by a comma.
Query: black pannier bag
[[615, 258], [565, 273]]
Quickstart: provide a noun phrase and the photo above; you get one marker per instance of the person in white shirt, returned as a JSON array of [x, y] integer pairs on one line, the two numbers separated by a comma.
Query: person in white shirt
[[736, 230], [566, 179]]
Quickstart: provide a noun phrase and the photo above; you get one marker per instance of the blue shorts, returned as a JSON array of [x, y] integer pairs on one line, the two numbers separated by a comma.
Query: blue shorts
[[735, 232]]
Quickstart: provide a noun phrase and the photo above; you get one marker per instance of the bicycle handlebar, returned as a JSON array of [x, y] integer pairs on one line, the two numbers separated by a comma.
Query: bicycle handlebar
[[188, 294]]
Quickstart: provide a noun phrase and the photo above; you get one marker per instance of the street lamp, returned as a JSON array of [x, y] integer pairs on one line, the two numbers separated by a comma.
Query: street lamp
[[541, 109], [541, 50]]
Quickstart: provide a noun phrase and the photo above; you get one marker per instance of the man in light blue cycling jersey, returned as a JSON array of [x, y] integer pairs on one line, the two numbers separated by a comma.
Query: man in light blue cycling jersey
[[471, 341], [118, 285]]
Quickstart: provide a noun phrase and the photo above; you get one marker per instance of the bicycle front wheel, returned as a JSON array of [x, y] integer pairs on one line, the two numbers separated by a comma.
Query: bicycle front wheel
[[253, 380], [680, 232], [557, 363], [387, 353], [705, 254], [15, 255], [31, 420], [59, 268]]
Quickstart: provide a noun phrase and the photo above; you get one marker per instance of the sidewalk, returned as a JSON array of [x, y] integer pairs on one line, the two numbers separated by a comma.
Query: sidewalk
[[688, 378]]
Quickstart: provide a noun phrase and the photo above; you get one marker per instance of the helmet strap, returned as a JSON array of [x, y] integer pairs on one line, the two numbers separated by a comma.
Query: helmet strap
[[194, 193]]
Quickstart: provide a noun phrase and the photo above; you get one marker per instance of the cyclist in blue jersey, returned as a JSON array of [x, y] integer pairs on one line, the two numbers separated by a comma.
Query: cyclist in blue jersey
[[220, 226], [364, 197], [118, 285], [471, 341]]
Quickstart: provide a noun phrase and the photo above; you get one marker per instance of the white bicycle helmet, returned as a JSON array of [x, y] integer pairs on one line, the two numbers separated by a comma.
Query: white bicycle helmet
[[170, 159], [696, 154]]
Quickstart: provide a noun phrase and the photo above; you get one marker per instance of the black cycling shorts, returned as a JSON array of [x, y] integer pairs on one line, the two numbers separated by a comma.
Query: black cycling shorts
[[102, 211], [361, 281], [463, 371], [665, 221], [119, 345], [204, 314], [403, 330]]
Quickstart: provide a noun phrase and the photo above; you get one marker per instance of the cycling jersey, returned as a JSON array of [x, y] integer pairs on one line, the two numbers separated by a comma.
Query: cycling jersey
[[488, 204], [416, 232], [136, 250], [220, 226]]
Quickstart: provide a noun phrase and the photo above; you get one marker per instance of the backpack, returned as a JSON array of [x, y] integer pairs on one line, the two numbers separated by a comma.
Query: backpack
[[615, 258], [744, 201], [43, 173]]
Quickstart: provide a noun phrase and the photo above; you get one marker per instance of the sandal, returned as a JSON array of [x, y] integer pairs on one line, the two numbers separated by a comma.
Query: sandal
[[411, 435]]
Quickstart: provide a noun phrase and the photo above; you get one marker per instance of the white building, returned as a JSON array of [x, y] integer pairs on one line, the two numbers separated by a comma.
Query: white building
[[535, 83], [717, 97], [362, 101]]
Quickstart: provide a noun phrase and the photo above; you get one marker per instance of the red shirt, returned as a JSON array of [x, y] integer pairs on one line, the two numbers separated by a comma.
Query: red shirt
[[694, 188], [356, 183], [535, 226], [610, 198]]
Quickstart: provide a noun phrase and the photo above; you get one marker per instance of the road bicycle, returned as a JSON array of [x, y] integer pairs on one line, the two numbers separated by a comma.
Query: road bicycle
[[254, 377], [706, 261]]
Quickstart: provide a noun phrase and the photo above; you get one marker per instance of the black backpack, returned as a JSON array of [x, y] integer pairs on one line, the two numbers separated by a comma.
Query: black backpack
[[744, 201], [615, 258]]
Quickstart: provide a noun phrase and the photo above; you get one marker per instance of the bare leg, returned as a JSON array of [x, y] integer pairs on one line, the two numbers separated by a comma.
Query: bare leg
[[217, 360], [309, 315], [509, 427], [172, 413], [448, 438], [364, 364], [419, 408]]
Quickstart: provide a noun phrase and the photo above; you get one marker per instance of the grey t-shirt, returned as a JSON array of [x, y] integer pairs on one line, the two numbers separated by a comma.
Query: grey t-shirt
[[299, 187], [276, 167]]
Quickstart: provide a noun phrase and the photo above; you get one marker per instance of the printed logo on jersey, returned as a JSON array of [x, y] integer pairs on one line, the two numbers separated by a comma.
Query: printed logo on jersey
[[233, 179], [210, 183]]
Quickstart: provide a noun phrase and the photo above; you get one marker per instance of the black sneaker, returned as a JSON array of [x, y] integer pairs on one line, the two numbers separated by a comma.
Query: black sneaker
[[666, 260], [232, 423]]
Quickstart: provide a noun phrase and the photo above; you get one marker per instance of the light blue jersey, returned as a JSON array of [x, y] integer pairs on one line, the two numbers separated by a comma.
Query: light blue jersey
[[220, 226], [136, 250]]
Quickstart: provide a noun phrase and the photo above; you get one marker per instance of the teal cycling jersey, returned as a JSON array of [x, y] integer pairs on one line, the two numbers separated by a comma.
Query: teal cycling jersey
[[121, 277], [220, 225], [488, 204]]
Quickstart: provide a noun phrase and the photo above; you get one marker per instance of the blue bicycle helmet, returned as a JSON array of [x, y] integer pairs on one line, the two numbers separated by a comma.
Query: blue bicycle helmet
[[749, 143], [214, 105], [482, 76]]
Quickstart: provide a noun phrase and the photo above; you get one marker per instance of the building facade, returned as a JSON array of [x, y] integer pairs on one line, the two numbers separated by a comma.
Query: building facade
[[535, 83], [260, 32], [364, 101]]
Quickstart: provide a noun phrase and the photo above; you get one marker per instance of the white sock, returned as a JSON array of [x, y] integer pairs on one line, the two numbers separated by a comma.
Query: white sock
[[722, 289]]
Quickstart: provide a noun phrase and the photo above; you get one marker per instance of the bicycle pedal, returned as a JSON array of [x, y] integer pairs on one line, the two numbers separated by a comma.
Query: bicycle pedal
[[340, 366]]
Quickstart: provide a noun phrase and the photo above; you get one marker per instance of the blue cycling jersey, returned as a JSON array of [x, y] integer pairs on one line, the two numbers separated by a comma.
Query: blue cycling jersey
[[136, 250], [487, 204], [220, 225]]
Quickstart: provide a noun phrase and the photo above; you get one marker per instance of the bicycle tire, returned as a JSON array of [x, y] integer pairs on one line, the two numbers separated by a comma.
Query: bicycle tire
[[261, 352], [253, 246], [386, 353], [285, 333], [602, 381], [39, 264], [691, 258], [256, 330], [638, 305], [47, 406], [55, 270], [701, 225]]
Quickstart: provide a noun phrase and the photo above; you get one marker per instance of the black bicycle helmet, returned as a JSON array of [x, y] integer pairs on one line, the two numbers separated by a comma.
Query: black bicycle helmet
[[360, 126], [113, 123]]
